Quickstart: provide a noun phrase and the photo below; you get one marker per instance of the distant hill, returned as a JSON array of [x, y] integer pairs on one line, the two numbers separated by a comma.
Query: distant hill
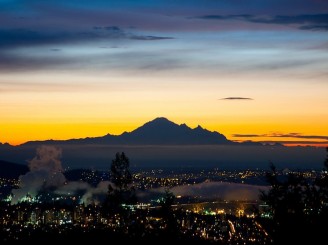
[[159, 131], [12, 170]]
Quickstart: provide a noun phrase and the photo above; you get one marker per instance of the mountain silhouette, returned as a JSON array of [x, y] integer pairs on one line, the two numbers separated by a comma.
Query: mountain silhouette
[[159, 131], [163, 143], [162, 131]]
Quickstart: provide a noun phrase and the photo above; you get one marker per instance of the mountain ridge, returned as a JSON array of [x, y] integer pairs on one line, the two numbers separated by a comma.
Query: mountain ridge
[[162, 143], [159, 131]]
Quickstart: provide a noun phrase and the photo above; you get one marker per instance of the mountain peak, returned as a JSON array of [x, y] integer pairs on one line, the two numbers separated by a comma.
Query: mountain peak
[[159, 123], [163, 131], [160, 120], [183, 125]]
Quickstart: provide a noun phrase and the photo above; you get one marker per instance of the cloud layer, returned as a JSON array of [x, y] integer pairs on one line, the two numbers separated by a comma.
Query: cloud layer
[[281, 135], [300, 138], [78, 27], [236, 98], [315, 22]]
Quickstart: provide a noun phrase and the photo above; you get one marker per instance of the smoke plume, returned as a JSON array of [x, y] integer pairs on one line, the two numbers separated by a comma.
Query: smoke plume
[[45, 173]]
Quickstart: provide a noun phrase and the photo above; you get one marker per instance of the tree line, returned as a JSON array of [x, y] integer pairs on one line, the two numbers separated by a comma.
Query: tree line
[[299, 207]]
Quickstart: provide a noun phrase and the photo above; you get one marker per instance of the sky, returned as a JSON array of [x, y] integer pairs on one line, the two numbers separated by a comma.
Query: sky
[[249, 69]]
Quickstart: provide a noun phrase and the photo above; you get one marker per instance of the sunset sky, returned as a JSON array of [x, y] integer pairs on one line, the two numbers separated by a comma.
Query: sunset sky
[[249, 69]]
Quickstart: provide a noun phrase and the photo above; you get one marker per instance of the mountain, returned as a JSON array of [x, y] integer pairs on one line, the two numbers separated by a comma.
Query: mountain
[[12, 170], [161, 143], [159, 131]]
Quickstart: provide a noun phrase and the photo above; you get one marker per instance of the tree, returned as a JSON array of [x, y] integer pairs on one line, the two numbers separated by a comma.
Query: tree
[[170, 221], [286, 200], [167, 201], [120, 173], [299, 206], [122, 191]]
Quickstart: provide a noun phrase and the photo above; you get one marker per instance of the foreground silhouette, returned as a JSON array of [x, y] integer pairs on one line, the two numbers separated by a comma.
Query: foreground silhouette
[[299, 207]]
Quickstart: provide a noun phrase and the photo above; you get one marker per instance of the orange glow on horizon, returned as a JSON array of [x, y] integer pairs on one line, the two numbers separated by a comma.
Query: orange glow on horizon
[[114, 104], [16, 133]]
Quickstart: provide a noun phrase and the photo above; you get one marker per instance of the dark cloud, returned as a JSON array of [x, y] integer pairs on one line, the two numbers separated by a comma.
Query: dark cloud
[[304, 22], [245, 135], [308, 139], [296, 142], [315, 27], [226, 17], [286, 64], [25, 37], [279, 135], [110, 31], [299, 136], [15, 38], [113, 29], [120, 33], [149, 38], [236, 98], [11, 40], [18, 62], [297, 19], [156, 61]]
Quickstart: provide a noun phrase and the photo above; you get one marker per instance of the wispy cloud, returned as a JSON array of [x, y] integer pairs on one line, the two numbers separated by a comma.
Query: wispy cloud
[[315, 27], [117, 32], [17, 45], [149, 38], [26, 37], [245, 135], [287, 139], [299, 136], [280, 135], [295, 142], [317, 22], [55, 49], [236, 98]]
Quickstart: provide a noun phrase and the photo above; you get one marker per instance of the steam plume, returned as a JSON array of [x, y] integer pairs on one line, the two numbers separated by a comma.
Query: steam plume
[[45, 173]]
